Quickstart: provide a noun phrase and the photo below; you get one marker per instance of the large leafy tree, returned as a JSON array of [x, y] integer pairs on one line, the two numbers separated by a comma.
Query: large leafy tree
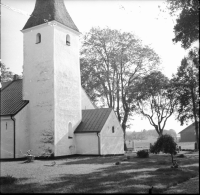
[[154, 99], [187, 24], [6, 74], [111, 62], [186, 88]]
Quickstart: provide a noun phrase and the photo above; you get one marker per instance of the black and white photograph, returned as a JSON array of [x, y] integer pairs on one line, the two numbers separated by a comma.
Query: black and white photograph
[[99, 96]]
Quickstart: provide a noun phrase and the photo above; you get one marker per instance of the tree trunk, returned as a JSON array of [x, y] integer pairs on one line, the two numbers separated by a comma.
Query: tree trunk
[[172, 158], [195, 117], [197, 133], [124, 130]]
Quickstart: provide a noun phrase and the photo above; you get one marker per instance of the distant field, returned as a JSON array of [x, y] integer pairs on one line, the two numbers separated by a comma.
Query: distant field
[[145, 144]]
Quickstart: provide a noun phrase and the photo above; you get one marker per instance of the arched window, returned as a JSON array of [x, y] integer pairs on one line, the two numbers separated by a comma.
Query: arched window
[[67, 40], [38, 38], [70, 131]]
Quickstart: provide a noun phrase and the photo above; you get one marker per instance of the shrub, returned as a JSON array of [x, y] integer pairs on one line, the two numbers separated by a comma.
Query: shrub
[[128, 157], [9, 179], [118, 163], [143, 154], [180, 156]]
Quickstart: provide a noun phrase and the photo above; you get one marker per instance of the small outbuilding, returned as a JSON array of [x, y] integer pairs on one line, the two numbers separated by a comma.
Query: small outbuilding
[[99, 133], [188, 134]]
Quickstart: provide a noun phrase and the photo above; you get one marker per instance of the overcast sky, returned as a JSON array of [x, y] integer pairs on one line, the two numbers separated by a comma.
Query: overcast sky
[[141, 17]]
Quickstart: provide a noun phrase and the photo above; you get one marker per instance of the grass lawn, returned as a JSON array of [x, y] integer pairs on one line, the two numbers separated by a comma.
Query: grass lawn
[[97, 174]]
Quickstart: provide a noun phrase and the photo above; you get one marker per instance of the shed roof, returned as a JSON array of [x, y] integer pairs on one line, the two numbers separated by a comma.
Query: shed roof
[[11, 98], [49, 10], [93, 120], [189, 128]]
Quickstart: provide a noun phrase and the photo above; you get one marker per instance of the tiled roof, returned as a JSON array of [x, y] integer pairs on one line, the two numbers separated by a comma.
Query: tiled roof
[[93, 120], [11, 98], [5, 84], [190, 127], [50, 10]]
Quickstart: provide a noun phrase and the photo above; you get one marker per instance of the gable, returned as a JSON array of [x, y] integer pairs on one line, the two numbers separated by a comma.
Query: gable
[[11, 98], [189, 128], [112, 127], [93, 120]]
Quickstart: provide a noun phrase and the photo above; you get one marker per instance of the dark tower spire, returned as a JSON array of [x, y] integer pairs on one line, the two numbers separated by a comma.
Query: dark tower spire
[[49, 10]]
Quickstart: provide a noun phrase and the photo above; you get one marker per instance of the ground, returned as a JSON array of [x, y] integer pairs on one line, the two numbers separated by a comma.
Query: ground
[[189, 187], [99, 174]]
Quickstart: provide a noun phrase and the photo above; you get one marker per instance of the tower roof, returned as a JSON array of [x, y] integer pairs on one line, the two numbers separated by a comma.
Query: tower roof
[[49, 10]]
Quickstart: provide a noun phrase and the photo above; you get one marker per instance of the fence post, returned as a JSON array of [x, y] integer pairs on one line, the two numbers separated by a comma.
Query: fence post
[[195, 145], [179, 148], [150, 147], [133, 145]]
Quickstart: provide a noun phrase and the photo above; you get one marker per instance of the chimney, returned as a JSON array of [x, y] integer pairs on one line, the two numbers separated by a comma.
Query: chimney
[[15, 77]]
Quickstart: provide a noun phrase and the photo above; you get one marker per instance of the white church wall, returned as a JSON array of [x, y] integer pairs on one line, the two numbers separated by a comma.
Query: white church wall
[[7, 138], [112, 142], [38, 84], [86, 102], [22, 132], [67, 89], [87, 143]]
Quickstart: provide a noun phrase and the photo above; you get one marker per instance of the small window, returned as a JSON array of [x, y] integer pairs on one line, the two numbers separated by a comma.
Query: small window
[[68, 40], [38, 38], [113, 129], [70, 131]]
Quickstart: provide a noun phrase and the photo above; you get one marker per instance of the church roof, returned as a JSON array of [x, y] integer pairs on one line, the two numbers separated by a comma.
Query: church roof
[[11, 98], [93, 120], [5, 84], [49, 10]]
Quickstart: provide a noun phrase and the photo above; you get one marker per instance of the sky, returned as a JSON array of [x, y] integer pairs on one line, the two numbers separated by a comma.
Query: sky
[[140, 17]]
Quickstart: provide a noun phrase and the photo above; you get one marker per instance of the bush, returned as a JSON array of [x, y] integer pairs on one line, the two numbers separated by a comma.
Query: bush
[[143, 154], [9, 179], [180, 156]]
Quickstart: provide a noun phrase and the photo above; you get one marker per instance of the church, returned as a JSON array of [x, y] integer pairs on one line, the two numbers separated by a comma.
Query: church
[[48, 111]]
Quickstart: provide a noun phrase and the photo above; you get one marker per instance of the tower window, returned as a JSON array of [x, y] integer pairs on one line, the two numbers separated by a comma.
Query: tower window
[[38, 38], [113, 129], [68, 40]]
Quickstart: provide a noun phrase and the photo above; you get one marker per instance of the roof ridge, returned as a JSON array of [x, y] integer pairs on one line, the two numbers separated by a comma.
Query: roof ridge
[[8, 85], [187, 127]]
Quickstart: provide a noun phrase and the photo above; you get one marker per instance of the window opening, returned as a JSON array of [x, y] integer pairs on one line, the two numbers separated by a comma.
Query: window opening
[[68, 40], [70, 131], [38, 38], [113, 129]]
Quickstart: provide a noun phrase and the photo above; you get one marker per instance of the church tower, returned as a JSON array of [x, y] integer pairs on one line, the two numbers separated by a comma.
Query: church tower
[[51, 78]]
